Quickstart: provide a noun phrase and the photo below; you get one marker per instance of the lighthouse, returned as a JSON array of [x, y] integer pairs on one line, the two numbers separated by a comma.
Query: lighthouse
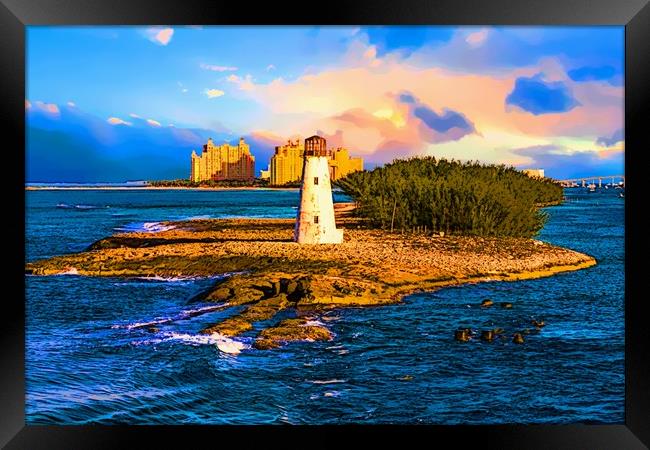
[[315, 220]]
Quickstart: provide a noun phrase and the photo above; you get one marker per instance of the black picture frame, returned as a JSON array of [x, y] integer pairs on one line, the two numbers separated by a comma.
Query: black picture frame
[[16, 14]]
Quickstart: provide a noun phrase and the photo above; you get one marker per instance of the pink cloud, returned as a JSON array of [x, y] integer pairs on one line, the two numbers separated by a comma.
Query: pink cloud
[[160, 36], [49, 108]]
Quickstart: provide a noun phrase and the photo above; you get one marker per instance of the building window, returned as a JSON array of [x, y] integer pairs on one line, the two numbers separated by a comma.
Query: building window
[[315, 219], [315, 180]]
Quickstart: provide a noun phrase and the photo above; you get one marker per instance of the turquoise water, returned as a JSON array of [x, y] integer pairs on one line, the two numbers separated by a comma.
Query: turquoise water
[[89, 360]]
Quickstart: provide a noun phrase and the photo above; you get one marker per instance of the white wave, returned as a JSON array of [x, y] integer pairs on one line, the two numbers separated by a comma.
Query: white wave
[[79, 206], [313, 323], [223, 343], [189, 312], [331, 394], [197, 217], [131, 326], [185, 314], [332, 381], [166, 279], [157, 226], [145, 227]]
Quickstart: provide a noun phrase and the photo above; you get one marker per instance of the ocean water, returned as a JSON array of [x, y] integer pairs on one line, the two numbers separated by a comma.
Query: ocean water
[[91, 358]]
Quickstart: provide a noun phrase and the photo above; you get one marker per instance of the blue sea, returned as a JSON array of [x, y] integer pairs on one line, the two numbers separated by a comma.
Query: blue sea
[[91, 359]]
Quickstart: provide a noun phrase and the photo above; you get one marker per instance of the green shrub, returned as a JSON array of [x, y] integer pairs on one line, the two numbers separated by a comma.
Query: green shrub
[[450, 196]]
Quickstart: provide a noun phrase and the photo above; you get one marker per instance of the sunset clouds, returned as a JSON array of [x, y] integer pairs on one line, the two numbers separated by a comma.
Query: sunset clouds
[[512, 95]]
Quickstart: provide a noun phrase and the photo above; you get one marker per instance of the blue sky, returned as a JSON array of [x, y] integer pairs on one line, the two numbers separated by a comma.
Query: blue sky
[[116, 91]]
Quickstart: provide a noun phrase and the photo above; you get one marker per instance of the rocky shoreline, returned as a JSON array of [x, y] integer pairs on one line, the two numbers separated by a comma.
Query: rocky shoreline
[[270, 273]]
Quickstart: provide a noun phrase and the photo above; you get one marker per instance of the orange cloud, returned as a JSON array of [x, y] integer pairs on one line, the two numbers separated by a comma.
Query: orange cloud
[[160, 36], [117, 121]]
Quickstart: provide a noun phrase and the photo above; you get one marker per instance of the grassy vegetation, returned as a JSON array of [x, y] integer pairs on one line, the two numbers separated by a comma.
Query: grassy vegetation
[[430, 195]]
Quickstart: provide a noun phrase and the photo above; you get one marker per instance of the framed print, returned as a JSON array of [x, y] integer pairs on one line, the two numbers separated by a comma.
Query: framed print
[[385, 217]]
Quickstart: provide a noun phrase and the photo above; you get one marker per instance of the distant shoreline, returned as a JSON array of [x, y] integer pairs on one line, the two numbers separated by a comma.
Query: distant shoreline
[[155, 188]]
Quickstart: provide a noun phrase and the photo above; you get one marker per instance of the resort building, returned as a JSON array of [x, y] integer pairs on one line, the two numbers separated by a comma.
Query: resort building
[[286, 164], [265, 174], [315, 222], [534, 173], [223, 162], [341, 163]]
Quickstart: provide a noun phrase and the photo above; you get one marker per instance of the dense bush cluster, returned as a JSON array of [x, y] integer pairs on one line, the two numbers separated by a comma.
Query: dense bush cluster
[[430, 195]]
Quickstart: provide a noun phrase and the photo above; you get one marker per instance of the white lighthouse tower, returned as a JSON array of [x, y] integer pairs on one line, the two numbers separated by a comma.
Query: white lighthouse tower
[[315, 221]]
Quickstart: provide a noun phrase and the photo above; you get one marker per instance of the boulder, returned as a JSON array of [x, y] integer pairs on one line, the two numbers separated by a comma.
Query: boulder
[[517, 338], [487, 335], [537, 324], [462, 335]]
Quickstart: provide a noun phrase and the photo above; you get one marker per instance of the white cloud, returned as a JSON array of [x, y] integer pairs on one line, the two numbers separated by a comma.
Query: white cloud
[[28, 104], [118, 121], [270, 67], [135, 116], [72, 104], [153, 123], [213, 93], [159, 35], [217, 68]]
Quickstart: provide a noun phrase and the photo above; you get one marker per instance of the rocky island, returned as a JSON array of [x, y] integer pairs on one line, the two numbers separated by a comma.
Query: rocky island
[[268, 272]]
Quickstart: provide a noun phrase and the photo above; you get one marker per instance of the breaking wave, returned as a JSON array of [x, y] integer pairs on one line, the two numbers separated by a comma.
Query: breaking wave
[[144, 227], [223, 343]]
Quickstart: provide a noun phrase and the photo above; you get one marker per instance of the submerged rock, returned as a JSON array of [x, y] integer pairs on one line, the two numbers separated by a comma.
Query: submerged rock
[[506, 305], [462, 335], [487, 303], [517, 338], [537, 324], [487, 335], [291, 330], [242, 322]]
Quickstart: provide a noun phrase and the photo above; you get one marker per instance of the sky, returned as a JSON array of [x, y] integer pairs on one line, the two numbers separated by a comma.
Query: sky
[[131, 103]]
